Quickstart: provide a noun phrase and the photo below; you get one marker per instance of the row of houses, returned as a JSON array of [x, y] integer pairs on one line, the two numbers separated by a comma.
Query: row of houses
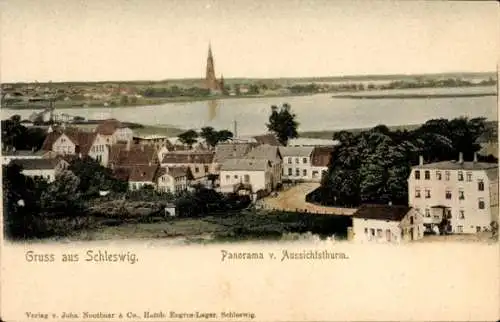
[[255, 166]]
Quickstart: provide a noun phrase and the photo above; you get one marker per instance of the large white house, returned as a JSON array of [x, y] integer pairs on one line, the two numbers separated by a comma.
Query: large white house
[[252, 174], [464, 193], [305, 163], [297, 162], [46, 169], [387, 224]]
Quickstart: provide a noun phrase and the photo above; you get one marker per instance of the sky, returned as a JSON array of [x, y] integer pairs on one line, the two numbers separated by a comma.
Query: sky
[[94, 40]]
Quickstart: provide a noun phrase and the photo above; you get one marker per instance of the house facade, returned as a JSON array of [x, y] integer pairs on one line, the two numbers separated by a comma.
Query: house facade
[[270, 153], [141, 176], [297, 163], [113, 131], [387, 224], [199, 163], [464, 194], [172, 179], [46, 169], [253, 175]]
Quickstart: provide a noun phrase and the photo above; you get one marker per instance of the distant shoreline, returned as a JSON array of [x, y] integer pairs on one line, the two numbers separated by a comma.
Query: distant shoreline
[[419, 96]]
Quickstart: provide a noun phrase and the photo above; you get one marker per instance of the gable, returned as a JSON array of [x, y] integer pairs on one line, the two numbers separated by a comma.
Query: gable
[[63, 140]]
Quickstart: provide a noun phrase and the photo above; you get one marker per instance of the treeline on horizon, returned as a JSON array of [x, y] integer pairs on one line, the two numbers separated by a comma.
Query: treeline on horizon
[[372, 166], [374, 77]]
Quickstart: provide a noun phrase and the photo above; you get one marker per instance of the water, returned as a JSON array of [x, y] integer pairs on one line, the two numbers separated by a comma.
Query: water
[[314, 113]]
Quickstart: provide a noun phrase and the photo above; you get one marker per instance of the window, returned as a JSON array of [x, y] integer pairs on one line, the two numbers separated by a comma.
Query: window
[[448, 213], [289, 171], [469, 176], [297, 160], [304, 160], [461, 214], [227, 177], [236, 176], [304, 173], [480, 185], [427, 212], [427, 175], [427, 193], [388, 235], [438, 175], [478, 229], [411, 220], [461, 195], [366, 231], [417, 193], [297, 172], [460, 229], [247, 178], [206, 168], [448, 194], [447, 175], [460, 176], [481, 203], [417, 174], [379, 233], [196, 169], [289, 160]]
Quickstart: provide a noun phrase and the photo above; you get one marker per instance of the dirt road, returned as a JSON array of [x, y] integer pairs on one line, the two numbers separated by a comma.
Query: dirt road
[[294, 199]]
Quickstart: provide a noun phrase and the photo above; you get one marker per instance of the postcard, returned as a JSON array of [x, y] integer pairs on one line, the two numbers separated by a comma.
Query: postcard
[[217, 160]]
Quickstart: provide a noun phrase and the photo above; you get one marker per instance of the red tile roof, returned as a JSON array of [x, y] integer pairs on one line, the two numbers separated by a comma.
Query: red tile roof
[[321, 156], [175, 172]]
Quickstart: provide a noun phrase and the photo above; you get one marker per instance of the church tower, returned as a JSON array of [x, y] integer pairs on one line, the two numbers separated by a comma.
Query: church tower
[[211, 82]]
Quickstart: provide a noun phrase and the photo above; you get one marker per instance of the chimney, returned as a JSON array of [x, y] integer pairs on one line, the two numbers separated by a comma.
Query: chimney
[[420, 160], [475, 157], [460, 158]]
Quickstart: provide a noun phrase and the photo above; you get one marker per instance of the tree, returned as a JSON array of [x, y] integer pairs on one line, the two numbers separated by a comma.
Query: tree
[[282, 123], [93, 177], [189, 137], [209, 135], [62, 195]]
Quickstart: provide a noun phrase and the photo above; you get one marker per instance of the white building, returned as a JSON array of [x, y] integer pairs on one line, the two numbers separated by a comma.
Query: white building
[[465, 193], [305, 163], [172, 179], [387, 224], [297, 163], [270, 153], [254, 175], [42, 168]]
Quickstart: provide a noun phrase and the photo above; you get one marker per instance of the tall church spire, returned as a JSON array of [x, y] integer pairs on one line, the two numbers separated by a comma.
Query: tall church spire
[[210, 79]]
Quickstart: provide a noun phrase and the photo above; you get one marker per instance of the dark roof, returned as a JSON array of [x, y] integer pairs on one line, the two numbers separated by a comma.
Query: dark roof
[[175, 172], [265, 152], [381, 212], [144, 173], [225, 151], [245, 165], [23, 153], [269, 138], [455, 165], [321, 156], [188, 157], [119, 155], [50, 139], [108, 127], [35, 164], [82, 139]]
